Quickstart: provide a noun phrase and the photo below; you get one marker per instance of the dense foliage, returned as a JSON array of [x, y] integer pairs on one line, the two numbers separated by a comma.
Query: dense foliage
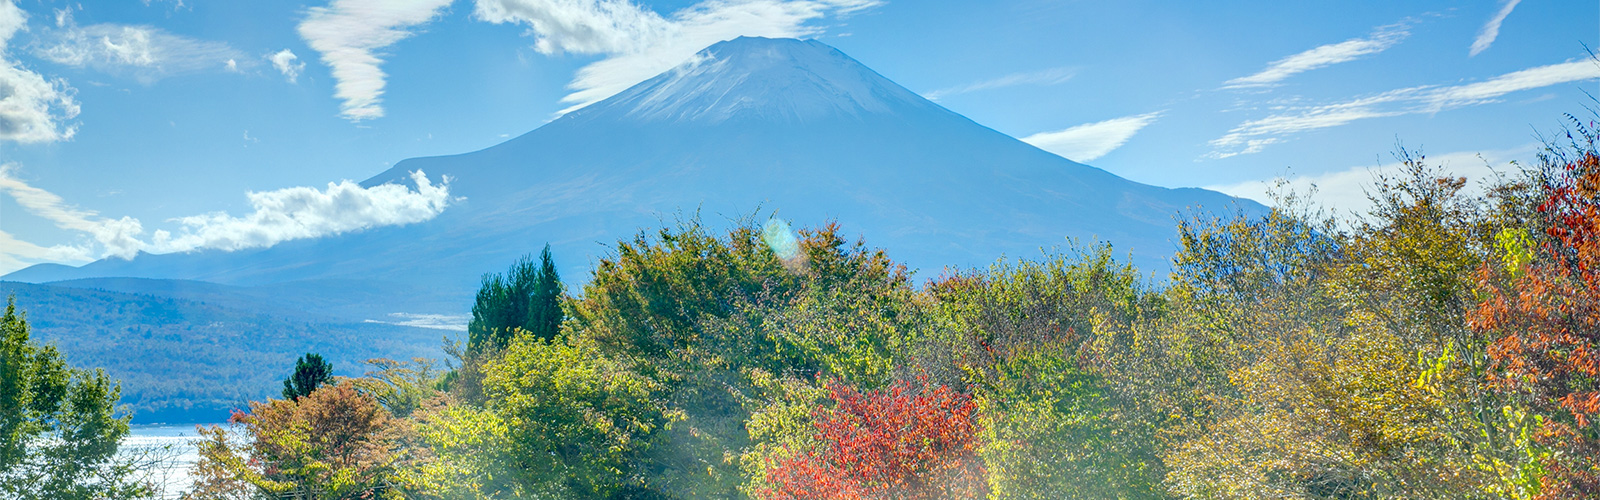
[[59, 435], [331, 444], [1440, 345], [900, 442], [1542, 306]]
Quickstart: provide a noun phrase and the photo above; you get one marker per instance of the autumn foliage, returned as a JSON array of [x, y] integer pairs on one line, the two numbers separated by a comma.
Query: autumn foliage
[[903, 442], [1544, 302], [1444, 343], [333, 443]]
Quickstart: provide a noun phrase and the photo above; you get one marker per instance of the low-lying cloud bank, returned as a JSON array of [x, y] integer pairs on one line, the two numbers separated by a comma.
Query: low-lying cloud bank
[[305, 212], [276, 216]]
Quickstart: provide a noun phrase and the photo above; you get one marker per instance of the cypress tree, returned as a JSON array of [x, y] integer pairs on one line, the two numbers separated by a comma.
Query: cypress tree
[[544, 310], [527, 297]]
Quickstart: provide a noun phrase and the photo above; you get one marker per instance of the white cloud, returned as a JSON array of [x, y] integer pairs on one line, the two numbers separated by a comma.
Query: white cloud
[[17, 254], [1531, 78], [1251, 136], [305, 212], [1381, 39], [1255, 135], [287, 63], [176, 4], [639, 43], [1345, 191], [578, 26], [1046, 77], [145, 53], [350, 35], [1491, 29], [1092, 140], [119, 237], [12, 20], [32, 109], [276, 216], [63, 17]]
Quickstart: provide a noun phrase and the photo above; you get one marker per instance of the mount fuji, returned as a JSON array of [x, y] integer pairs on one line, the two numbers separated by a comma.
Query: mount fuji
[[788, 126]]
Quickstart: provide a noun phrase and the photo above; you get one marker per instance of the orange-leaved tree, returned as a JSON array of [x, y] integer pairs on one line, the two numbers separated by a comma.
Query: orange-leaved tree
[[906, 441], [1543, 303], [333, 443]]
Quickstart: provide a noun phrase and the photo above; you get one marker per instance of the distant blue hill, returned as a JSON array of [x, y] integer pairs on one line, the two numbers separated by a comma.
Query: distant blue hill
[[182, 360]]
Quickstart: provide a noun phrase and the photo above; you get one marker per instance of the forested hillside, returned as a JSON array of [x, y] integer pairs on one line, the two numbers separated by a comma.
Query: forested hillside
[[183, 360]]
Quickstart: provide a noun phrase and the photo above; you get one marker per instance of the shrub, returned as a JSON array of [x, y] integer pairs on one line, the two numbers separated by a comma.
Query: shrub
[[903, 442]]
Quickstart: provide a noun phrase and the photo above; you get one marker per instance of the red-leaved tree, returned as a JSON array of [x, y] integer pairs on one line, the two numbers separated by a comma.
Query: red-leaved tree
[[906, 442], [1546, 315]]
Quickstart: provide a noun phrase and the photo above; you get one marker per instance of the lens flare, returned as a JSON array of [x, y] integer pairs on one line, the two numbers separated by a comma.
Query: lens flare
[[783, 241]]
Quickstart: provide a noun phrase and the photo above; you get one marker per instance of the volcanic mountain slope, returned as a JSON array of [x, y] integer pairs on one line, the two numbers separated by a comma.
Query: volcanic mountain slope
[[787, 126]]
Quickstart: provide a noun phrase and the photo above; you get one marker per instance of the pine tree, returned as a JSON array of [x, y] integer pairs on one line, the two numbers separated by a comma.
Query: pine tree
[[310, 371]]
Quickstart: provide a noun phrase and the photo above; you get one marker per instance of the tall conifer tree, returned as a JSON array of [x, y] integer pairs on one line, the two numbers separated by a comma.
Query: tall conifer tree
[[527, 297]]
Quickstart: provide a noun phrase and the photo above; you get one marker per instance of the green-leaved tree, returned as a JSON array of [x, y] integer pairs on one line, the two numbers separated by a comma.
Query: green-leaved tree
[[58, 430]]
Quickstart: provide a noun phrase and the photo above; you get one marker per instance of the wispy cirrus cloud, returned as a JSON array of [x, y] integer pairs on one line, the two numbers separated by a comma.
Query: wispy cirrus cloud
[[1491, 29], [1091, 140], [1380, 40], [637, 42], [145, 53], [276, 216], [1254, 135], [176, 4], [1050, 76], [351, 35], [33, 109], [118, 237]]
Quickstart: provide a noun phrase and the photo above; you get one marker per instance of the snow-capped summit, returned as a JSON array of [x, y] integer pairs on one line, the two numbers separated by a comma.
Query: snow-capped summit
[[762, 79]]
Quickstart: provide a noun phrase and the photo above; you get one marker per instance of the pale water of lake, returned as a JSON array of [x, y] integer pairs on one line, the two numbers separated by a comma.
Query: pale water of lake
[[175, 442]]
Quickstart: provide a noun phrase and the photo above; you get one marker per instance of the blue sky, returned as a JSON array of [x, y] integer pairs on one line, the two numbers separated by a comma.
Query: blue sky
[[165, 125]]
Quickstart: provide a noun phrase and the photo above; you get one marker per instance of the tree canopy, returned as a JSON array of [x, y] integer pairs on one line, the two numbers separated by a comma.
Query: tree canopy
[[1440, 345], [59, 432]]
